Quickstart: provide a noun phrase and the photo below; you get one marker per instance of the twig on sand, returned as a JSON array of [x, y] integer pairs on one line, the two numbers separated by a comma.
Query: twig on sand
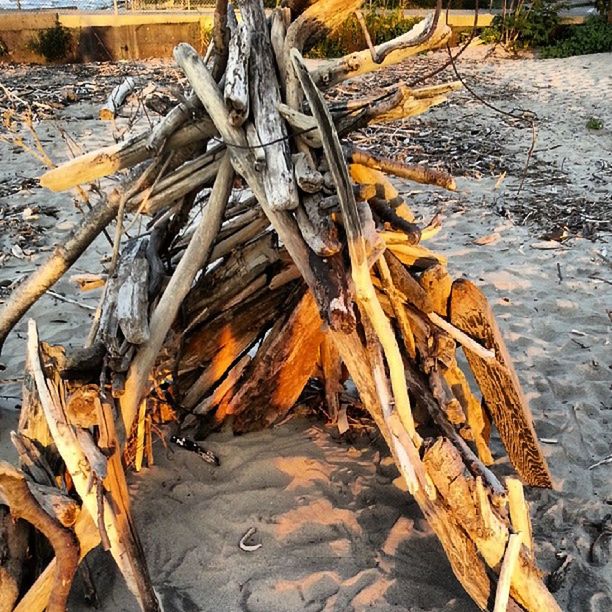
[[68, 300], [249, 547]]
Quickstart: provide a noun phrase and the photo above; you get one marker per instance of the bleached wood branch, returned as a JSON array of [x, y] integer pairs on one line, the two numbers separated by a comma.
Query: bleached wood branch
[[109, 111], [193, 260], [332, 72]]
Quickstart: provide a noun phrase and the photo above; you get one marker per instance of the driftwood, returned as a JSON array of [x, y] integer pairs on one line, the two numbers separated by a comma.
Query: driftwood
[[303, 261], [283, 365], [23, 505], [14, 548], [116, 99], [499, 384]]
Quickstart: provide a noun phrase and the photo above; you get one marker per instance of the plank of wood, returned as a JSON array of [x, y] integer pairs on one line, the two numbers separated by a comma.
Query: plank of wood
[[279, 371], [499, 384]]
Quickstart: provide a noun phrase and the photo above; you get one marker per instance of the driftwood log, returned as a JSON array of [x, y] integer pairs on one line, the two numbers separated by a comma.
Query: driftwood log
[[275, 252]]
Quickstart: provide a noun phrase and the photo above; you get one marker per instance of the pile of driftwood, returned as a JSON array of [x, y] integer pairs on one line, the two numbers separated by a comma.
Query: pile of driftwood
[[262, 252]]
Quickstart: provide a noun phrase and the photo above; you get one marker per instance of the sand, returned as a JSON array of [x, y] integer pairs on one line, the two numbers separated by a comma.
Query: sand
[[337, 532]]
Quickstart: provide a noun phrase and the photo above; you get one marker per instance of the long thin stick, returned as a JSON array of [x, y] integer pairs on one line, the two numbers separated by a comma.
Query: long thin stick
[[507, 569], [53, 269], [193, 260], [360, 268]]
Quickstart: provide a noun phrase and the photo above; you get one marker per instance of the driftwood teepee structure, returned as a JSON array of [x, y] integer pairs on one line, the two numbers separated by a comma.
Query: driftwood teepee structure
[[274, 252]]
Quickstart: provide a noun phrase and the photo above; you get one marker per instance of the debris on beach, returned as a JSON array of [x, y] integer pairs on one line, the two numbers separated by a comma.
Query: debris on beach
[[259, 244]]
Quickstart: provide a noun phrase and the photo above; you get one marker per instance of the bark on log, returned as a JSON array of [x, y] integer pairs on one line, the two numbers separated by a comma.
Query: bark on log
[[470, 312]]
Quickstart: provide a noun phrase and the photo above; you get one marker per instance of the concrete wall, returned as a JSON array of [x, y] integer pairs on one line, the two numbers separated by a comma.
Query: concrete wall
[[104, 36]]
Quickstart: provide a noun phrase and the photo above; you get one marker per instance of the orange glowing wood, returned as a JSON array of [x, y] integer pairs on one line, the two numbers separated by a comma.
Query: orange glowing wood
[[470, 312], [280, 370]]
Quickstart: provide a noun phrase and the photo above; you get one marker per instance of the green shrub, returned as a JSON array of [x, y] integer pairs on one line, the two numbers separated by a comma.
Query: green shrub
[[53, 44], [527, 25], [382, 25], [594, 123], [595, 36]]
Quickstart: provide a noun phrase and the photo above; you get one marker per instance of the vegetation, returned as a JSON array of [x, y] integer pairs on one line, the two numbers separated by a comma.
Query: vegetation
[[526, 25], [594, 124], [53, 44], [595, 36], [382, 25]]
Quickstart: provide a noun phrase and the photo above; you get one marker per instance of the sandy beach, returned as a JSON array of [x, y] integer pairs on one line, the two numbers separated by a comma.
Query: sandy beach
[[336, 528]]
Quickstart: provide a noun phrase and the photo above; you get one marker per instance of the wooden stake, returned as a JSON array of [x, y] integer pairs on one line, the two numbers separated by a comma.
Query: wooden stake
[[505, 576], [519, 511]]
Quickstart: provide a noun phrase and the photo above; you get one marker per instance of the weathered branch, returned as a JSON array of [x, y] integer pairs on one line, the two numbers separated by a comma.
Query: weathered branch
[[332, 72], [53, 269], [194, 258], [23, 505], [116, 99], [106, 161]]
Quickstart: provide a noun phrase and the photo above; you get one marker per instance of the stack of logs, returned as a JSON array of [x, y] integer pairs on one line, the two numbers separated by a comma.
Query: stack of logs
[[273, 252]]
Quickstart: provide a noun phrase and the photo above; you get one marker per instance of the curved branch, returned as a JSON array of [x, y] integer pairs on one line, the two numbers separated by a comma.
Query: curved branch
[[423, 36], [65, 544]]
